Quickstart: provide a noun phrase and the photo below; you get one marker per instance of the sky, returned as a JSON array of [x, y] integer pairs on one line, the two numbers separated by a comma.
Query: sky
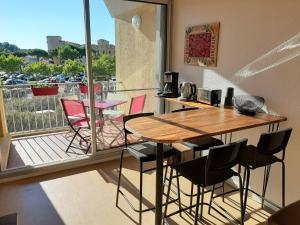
[[26, 23]]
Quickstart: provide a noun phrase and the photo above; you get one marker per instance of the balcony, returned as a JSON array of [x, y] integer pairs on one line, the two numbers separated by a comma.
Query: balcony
[[40, 131]]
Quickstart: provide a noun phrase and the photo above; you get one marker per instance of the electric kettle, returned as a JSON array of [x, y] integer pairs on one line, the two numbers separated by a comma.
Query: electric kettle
[[188, 91]]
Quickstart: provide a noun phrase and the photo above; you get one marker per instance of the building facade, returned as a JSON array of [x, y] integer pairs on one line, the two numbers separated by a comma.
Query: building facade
[[102, 46]]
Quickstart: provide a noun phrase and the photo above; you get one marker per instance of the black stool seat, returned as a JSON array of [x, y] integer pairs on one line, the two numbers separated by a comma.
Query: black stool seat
[[146, 152], [205, 143], [195, 172], [250, 156]]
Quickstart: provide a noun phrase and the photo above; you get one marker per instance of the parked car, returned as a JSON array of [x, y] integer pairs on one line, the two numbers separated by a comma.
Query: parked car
[[31, 78], [47, 80], [22, 77], [14, 81], [61, 78]]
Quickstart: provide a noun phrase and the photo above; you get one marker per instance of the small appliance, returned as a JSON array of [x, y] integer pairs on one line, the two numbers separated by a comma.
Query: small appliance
[[170, 85], [188, 91], [228, 99], [207, 96]]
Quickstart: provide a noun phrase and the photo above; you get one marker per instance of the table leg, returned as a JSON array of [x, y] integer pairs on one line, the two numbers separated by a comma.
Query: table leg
[[159, 184]]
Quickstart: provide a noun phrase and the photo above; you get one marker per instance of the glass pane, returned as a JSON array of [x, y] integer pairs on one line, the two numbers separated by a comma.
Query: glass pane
[[131, 27]]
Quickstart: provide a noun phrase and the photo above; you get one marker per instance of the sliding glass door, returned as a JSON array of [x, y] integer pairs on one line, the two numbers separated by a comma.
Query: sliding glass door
[[119, 47]]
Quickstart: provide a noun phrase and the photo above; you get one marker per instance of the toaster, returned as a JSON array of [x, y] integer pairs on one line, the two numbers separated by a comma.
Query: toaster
[[208, 96]]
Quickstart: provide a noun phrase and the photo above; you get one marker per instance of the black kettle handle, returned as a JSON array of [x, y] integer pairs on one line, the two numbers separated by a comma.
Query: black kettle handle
[[194, 89]]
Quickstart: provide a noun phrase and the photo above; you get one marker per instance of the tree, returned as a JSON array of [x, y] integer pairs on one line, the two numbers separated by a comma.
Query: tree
[[2, 61], [66, 52], [104, 66], [73, 67], [53, 53], [38, 53], [11, 63], [56, 69], [20, 53], [8, 48], [39, 68]]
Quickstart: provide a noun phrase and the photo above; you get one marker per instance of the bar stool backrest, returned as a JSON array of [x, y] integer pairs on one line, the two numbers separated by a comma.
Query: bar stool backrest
[[274, 142], [130, 117], [223, 157]]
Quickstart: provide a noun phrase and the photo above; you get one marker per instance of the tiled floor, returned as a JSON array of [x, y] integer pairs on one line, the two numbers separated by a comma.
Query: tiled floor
[[86, 196]]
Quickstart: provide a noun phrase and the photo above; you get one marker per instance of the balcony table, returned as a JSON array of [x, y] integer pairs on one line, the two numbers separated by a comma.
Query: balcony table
[[188, 125], [101, 105]]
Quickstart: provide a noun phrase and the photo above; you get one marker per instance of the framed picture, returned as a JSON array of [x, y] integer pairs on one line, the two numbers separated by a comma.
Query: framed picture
[[201, 44]]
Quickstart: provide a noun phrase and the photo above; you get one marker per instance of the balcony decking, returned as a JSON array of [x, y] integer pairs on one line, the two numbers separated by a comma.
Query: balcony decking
[[48, 148]]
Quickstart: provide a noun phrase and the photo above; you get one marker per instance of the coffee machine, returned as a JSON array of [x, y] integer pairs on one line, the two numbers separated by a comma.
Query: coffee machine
[[170, 85]]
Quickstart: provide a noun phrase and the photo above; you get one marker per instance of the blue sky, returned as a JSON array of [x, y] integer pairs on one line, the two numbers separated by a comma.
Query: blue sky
[[26, 23]]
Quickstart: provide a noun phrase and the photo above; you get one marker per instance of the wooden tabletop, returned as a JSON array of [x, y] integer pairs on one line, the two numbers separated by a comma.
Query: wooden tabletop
[[188, 125], [189, 103]]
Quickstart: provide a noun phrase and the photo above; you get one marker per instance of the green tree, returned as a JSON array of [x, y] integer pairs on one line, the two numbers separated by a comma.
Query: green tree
[[66, 52], [2, 61], [56, 69], [21, 53], [53, 53], [8, 48], [73, 67], [11, 63], [104, 66], [38, 53], [40, 68]]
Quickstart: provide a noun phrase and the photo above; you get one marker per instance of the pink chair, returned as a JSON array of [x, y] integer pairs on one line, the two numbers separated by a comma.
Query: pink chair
[[137, 105], [77, 118]]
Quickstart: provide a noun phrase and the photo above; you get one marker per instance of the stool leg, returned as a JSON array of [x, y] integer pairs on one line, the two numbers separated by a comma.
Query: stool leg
[[223, 191], [166, 172], [119, 178], [178, 193], [265, 184], [244, 178], [241, 199], [283, 184], [197, 205], [246, 191], [211, 198], [191, 198], [202, 201], [168, 192], [192, 187], [141, 194]]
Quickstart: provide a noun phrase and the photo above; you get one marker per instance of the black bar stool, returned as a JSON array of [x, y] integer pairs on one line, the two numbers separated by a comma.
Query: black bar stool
[[263, 155], [211, 170], [142, 152], [199, 145]]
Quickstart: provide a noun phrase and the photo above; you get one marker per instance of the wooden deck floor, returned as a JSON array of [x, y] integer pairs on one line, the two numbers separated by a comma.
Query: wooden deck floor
[[40, 149]]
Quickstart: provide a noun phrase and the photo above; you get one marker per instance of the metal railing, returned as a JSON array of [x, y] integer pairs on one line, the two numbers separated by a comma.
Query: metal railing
[[27, 114]]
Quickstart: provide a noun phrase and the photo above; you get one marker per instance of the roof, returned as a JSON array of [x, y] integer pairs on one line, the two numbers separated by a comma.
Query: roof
[[119, 7]]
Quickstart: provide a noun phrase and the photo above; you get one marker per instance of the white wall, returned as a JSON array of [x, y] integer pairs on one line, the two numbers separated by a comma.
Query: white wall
[[250, 29]]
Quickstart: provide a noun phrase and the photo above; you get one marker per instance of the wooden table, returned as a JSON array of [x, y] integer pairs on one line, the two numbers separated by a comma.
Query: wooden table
[[188, 125], [188, 103]]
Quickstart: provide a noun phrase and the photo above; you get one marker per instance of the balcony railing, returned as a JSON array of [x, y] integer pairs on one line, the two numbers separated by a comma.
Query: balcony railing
[[27, 114]]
